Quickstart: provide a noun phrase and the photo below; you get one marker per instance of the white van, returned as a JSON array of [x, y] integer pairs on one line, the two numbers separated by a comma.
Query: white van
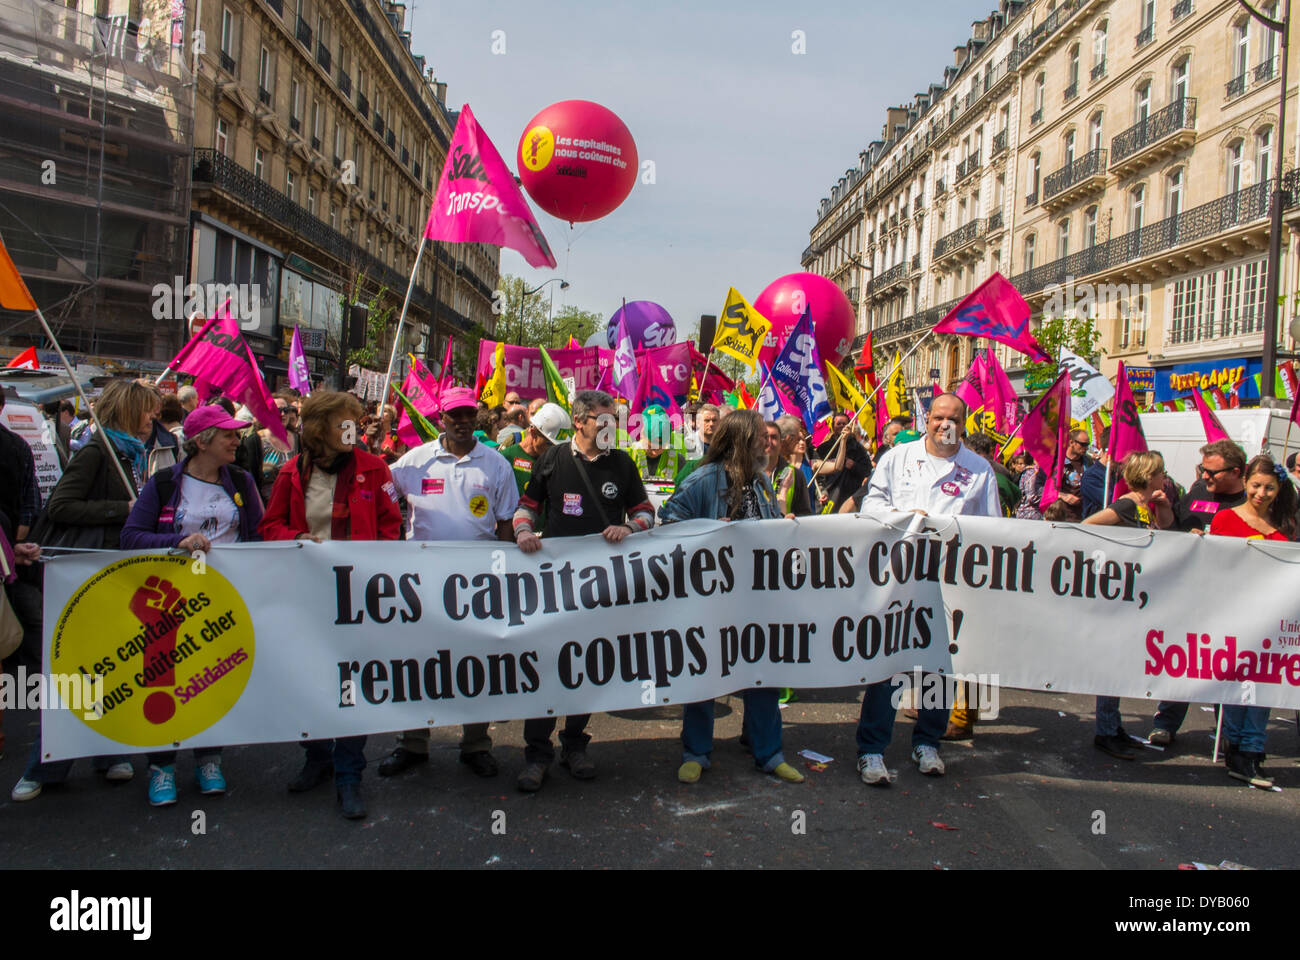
[[1179, 436]]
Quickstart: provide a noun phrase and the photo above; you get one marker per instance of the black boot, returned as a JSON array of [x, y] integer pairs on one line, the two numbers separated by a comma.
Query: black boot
[[1244, 765], [353, 808], [314, 773]]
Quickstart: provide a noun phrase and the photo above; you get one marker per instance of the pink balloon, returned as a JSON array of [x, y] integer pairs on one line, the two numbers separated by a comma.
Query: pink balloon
[[577, 160], [783, 301]]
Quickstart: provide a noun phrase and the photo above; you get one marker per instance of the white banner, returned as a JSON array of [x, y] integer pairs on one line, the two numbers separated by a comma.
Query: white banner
[[286, 641], [1089, 389], [26, 420]]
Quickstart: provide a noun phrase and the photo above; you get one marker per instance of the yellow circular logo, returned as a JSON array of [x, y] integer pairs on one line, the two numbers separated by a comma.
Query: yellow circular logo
[[538, 148], [478, 505], [172, 640]]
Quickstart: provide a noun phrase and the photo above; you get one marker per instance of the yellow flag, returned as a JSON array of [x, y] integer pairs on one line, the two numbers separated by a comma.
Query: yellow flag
[[896, 390], [741, 330], [847, 398], [494, 391]]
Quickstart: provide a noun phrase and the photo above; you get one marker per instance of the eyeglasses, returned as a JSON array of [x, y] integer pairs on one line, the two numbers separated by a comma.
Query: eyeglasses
[[1207, 472], [1078, 443]]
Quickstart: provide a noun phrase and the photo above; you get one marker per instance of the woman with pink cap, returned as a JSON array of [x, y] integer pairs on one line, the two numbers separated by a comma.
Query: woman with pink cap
[[204, 500]]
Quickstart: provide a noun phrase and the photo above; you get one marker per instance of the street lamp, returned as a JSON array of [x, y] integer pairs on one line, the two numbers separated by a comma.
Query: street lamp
[[564, 285], [1268, 360]]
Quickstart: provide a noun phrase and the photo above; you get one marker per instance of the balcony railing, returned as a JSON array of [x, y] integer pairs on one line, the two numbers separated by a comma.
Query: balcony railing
[[323, 55], [999, 143], [995, 222], [917, 321], [228, 63], [963, 235], [391, 139], [338, 162], [363, 105], [315, 143], [277, 6], [1031, 200], [968, 166], [1236, 86], [1089, 165], [1071, 91], [940, 188], [808, 256], [887, 279], [295, 124], [1266, 70], [852, 294], [1181, 9], [916, 261], [1179, 115], [1036, 117], [1099, 70], [406, 157], [264, 95], [378, 123], [1217, 216], [1146, 35], [345, 82], [222, 173], [1051, 23], [304, 33]]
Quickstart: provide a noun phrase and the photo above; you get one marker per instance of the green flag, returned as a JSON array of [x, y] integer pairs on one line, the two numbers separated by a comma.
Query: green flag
[[556, 391], [423, 427]]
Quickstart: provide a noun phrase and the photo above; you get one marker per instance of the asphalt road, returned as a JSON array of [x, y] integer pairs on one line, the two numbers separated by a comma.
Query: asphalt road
[[1030, 793]]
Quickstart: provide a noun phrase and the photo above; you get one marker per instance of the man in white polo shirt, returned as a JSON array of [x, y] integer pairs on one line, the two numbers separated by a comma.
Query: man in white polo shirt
[[938, 476], [457, 489]]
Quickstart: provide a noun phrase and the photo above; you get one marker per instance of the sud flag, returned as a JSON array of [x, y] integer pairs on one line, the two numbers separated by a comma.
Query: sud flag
[[1046, 432], [478, 200], [798, 367], [847, 398], [996, 310], [494, 391], [624, 369], [895, 388], [298, 377], [742, 329]]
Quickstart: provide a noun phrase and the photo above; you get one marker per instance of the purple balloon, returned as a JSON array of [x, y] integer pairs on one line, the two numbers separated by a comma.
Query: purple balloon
[[648, 324]]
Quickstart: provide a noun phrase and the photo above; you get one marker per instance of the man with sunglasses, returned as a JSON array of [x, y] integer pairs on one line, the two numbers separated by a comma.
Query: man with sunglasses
[[1077, 461], [1218, 486]]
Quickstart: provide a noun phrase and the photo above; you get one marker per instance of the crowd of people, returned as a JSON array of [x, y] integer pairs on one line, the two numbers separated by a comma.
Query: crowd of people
[[201, 475]]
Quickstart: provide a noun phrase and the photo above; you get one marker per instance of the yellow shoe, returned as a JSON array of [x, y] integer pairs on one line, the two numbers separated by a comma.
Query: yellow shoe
[[788, 773], [689, 772]]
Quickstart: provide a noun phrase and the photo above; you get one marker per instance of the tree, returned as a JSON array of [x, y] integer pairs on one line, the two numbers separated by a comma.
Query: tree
[[571, 321], [371, 354], [522, 317], [1079, 336]]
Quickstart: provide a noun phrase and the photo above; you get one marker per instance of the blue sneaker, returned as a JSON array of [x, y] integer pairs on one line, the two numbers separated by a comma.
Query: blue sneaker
[[162, 785], [209, 779]]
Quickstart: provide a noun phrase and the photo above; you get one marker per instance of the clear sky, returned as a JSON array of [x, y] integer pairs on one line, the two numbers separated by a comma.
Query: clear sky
[[746, 135]]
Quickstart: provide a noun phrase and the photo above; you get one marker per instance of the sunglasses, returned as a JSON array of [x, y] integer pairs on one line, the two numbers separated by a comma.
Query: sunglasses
[[1207, 472]]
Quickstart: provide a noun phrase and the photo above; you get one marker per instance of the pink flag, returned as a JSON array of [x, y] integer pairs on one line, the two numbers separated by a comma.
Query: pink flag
[[971, 388], [298, 377], [1126, 434], [422, 390], [1000, 395], [1045, 434], [478, 200], [996, 310], [937, 391], [1209, 422], [665, 376], [573, 343], [219, 356]]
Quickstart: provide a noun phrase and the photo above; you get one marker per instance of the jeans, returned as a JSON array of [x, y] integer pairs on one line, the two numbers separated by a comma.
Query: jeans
[[1170, 715], [201, 756], [473, 739], [1107, 716], [876, 722], [1245, 727], [56, 771], [762, 724], [537, 737], [347, 753]]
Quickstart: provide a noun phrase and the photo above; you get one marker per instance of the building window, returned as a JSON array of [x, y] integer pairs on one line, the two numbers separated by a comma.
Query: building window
[[227, 32], [1264, 153], [1040, 93], [1217, 304], [1035, 174], [1137, 206], [1094, 132], [1268, 46], [259, 163], [1241, 47], [1029, 252], [1142, 103], [1234, 166], [1069, 147], [295, 101], [338, 141], [1178, 81], [223, 138], [315, 119], [288, 184], [1063, 239], [1090, 227], [1175, 193], [264, 70], [1148, 14], [1099, 48], [311, 199], [1073, 70]]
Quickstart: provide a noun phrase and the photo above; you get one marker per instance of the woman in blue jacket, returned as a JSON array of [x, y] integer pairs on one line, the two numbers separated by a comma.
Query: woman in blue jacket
[[200, 502]]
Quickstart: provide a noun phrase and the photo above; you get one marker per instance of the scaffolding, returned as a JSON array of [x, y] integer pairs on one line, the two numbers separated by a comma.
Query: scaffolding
[[96, 118]]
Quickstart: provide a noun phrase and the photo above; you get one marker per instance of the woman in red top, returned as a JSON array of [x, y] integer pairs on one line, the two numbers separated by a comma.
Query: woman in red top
[[1267, 514], [333, 490]]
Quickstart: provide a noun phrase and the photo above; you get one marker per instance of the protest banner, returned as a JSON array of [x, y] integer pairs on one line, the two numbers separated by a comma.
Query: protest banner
[[526, 373], [277, 642], [26, 420]]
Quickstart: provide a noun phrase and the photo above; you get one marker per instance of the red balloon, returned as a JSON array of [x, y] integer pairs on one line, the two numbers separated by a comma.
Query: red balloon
[[577, 160], [783, 301]]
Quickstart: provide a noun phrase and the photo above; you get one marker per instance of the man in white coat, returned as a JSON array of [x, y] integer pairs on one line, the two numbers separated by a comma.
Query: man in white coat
[[933, 476]]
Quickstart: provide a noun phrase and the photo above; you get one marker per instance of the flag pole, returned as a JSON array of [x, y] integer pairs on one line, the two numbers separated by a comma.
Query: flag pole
[[184, 351], [397, 337], [99, 429]]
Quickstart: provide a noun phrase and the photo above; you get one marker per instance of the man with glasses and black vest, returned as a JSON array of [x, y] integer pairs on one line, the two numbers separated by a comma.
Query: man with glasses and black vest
[[584, 486], [1218, 486]]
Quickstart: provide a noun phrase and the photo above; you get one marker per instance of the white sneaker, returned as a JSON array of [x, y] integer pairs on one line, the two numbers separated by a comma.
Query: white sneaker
[[25, 789], [927, 758], [873, 770], [120, 772]]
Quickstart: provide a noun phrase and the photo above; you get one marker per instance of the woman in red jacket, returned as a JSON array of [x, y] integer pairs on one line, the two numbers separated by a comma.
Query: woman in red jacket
[[333, 490]]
